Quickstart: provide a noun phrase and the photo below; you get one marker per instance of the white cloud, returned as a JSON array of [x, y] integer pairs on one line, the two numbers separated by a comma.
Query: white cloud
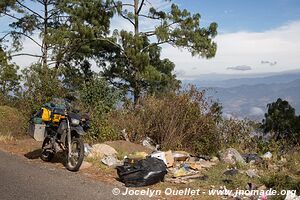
[[256, 111], [240, 68], [281, 44]]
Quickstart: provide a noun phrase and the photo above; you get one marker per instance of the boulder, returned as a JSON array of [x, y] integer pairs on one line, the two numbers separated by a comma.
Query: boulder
[[101, 150], [232, 156]]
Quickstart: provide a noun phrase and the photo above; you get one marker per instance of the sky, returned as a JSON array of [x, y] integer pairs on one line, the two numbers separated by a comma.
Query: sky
[[254, 36]]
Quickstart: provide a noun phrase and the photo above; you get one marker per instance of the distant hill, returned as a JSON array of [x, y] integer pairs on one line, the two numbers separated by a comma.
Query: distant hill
[[232, 80], [248, 97]]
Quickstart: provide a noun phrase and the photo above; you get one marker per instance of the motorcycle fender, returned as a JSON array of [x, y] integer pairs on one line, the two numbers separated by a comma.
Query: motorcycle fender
[[78, 129]]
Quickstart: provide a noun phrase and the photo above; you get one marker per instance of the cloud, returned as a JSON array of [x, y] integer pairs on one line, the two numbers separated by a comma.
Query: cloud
[[256, 111], [268, 62], [240, 68], [280, 45]]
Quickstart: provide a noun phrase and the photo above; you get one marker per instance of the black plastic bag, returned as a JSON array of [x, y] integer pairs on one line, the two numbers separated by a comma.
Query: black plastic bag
[[144, 172]]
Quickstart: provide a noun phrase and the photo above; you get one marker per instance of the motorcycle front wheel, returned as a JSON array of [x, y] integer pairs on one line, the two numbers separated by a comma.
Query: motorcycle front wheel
[[47, 154], [75, 158]]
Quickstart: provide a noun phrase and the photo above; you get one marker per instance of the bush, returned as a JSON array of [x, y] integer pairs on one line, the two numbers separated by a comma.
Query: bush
[[236, 133], [98, 99], [179, 121], [12, 121]]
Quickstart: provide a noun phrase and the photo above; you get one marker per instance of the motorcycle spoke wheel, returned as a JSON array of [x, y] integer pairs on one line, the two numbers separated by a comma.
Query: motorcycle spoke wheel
[[76, 156]]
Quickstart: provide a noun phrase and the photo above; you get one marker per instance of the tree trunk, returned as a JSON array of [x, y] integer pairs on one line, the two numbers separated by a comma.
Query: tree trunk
[[136, 17], [45, 45], [136, 95]]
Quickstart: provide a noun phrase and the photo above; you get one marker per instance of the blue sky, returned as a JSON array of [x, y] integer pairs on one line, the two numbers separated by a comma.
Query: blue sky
[[255, 36], [246, 15]]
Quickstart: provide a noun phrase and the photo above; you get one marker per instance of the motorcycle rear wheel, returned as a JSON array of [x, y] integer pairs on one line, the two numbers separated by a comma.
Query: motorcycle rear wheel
[[77, 155]]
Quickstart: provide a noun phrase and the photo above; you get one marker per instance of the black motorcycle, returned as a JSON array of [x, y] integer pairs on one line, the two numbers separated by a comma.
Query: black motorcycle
[[63, 134]]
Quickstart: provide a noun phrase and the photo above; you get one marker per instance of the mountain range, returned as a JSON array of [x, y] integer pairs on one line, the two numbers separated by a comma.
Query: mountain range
[[247, 96]]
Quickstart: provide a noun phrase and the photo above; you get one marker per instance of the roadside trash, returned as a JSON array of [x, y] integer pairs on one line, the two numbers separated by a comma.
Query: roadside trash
[[111, 161], [101, 150], [291, 196], [195, 166], [159, 155], [87, 149], [252, 157], [144, 172], [169, 158], [147, 142], [180, 155], [267, 155], [231, 172], [232, 156], [183, 171], [125, 135], [206, 164], [250, 186]]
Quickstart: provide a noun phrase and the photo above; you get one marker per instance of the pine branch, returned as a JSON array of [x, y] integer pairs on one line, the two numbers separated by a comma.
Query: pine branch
[[29, 37], [26, 54], [37, 14], [140, 8], [9, 15]]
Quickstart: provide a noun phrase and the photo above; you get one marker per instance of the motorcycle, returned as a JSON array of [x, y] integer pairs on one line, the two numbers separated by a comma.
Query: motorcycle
[[63, 133]]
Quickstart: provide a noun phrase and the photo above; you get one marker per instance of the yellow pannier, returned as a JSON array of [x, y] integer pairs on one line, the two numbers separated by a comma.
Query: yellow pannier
[[46, 115]]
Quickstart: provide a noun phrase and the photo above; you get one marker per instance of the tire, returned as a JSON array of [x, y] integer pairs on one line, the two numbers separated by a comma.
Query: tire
[[73, 164], [46, 155]]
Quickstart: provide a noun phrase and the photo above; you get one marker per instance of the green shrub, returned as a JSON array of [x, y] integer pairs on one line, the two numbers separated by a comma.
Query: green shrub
[[98, 99]]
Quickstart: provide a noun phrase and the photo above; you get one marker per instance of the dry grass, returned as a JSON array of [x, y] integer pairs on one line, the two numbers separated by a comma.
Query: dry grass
[[6, 138], [11, 122]]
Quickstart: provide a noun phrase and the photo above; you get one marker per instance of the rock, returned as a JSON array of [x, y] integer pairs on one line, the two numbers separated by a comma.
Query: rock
[[232, 156], [251, 173], [252, 157], [267, 155], [231, 172], [85, 165], [101, 150], [111, 161], [214, 159]]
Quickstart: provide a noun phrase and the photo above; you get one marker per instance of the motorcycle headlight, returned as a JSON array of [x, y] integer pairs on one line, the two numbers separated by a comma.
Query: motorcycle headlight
[[75, 122]]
